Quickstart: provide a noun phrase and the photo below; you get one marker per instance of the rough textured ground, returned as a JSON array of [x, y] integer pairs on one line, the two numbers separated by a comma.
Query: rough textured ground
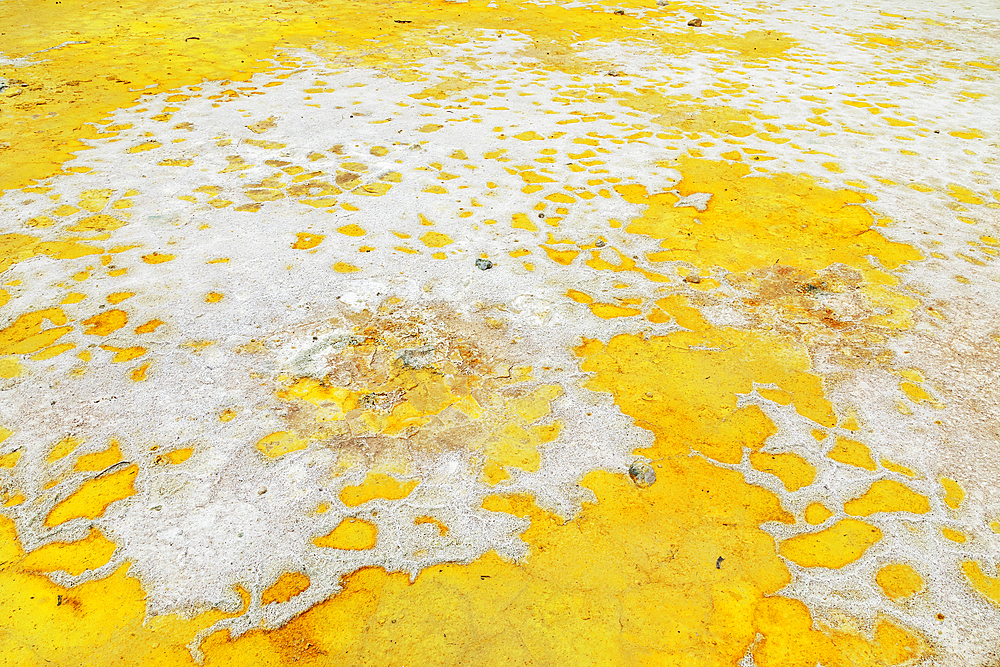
[[437, 333]]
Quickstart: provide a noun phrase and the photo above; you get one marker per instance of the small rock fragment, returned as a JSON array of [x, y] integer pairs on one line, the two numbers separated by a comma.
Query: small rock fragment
[[484, 264], [692, 279], [599, 243], [620, 12], [695, 23], [662, 3], [642, 474]]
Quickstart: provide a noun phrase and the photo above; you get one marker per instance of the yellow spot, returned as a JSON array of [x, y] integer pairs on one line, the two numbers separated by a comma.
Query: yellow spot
[[793, 470], [262, 126], [63, 448], [307, 241], [158, 258], [280, 443], [175, 162], [227, 415], [9, 460], [100, 460], [436, 240], [40, 221], [66, 249], [430, 127], [262, 143], [10, 368], [351, 534], [98, 223], [954, 494], [918, 394], [887, 495], [988, 586], [968, 134], [90, 553], [521, 221], [898, 581], [123, 354], [118, 297], [963, 194], [214, 297], [529, 136], [351, 230], [841, 544], [954, 535], [149, 327], [94, 496], [376, 486], [95, 200], [609, 311], [285, 588], [143, 147], [853, 453], [817, 513], [579, 297], [564, 257], [73, 297], [106, 322], [344, 267], [176, 456], [895, 467]]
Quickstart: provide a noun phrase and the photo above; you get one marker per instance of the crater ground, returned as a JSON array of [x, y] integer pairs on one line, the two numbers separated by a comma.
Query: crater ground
[[499, 333]]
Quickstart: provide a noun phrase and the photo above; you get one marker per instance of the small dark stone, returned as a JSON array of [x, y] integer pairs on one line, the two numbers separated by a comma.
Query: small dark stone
[[695, 23], [642, 474], [692, 279], [541, 215], [620, 12], [484, 264], [599, 243]]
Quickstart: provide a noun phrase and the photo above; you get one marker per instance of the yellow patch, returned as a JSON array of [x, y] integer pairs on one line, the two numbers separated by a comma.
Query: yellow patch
[[351, 534]]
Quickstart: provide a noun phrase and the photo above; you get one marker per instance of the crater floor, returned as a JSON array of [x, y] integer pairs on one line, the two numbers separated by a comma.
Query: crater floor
[[499, 333]]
